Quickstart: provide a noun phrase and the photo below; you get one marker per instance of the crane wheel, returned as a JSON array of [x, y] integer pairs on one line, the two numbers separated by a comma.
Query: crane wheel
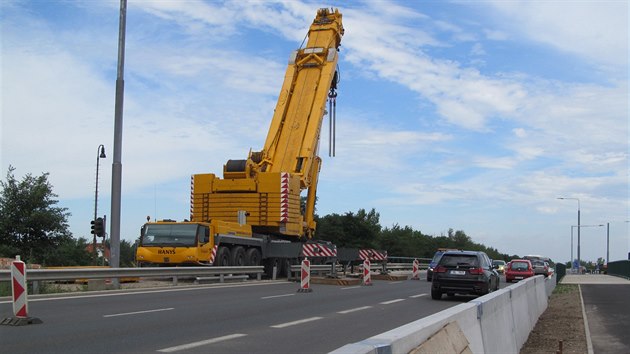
[[238, 256], [223, 257], [252, 257]]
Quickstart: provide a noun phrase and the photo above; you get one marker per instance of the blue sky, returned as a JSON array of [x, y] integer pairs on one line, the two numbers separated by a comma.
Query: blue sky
[[474, 116]]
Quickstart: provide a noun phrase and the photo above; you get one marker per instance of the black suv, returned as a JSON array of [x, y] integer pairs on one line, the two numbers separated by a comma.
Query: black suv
[[464, 272]]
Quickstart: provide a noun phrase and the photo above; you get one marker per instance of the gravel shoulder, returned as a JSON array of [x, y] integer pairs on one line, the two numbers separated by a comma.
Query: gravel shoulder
[[561, 321]]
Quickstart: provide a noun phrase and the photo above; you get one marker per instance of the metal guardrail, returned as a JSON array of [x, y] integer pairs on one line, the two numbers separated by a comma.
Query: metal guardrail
[[395, 259], [339, 268], [106, 273]]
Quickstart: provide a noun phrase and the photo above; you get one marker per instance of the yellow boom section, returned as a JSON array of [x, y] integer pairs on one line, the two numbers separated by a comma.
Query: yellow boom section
[[265, 188]]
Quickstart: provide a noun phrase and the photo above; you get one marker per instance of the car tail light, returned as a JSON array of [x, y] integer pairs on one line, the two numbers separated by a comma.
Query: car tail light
[[439, 269], [476, 271]]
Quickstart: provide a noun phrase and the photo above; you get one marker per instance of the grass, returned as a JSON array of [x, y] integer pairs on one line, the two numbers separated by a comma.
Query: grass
[[44, 288], [565, 288]]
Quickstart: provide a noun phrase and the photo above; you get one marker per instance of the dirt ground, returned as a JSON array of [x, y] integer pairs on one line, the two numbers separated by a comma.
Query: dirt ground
[[562, 321]]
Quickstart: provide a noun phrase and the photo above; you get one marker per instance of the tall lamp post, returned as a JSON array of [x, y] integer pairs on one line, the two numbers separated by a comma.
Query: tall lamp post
[[572, 226], [578, 226], [100, 154], [608, 242]]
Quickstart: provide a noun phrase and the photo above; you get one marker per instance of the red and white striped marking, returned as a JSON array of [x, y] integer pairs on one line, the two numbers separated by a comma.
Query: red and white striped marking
[[213, 255], [318, 250], [18, 279], [284, 197], [416, 270], [305, 284], [367, 277], [192, 196], [372, 255]]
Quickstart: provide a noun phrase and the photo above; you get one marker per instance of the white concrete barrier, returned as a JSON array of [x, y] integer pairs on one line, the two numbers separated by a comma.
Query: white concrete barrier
[[524, 317], [499, 322], [407, 337]]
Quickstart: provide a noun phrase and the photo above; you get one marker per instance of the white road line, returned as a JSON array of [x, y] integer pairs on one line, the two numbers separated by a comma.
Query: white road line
[[396, 282], [275, 296], [391, 301], [200, 343], [282, 325], [354, 309], [419, 295], [138, 312], [351, 287]]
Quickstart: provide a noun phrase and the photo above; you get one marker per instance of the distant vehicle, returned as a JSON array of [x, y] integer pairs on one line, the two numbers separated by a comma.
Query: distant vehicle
[[435, 260], [539, 258], [499, 265], [463, 272], [540, 267], [518, 269]]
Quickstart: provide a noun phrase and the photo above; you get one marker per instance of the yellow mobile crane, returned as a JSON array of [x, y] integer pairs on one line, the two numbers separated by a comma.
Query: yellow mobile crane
[[253, 214]]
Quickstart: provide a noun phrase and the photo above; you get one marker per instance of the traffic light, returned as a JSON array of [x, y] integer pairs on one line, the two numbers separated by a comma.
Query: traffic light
[[98, 227]]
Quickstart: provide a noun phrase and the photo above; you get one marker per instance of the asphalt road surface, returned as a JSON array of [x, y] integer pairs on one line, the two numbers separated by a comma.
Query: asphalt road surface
[[252, 317], [608, 314]]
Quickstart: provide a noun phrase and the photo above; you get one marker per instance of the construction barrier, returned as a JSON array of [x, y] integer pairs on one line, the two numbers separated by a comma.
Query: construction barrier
[[416, 270], [20, 296], [367, 277], [305, 284]]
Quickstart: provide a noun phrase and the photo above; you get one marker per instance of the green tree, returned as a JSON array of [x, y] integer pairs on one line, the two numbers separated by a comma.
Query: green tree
[[127, 254], [31, 224], [360, 230], [70, 252]]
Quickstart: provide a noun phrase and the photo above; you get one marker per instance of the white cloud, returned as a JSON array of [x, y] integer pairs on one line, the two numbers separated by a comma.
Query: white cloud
[[592, 29]]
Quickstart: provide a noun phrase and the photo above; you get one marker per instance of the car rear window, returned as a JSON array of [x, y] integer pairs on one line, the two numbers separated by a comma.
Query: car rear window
[[461, 260], [519, 266]]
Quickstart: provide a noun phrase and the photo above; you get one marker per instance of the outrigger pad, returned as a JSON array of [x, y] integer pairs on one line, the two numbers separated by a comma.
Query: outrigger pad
[[20, 321]]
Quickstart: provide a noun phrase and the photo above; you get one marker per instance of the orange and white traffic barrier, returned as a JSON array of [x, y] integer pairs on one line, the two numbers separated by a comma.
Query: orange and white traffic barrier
[[367, 277], [18, 279], [416, 270], [20, 296], [305, 284]]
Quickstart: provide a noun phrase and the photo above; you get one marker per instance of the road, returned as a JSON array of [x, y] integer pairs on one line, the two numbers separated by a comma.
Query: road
[[608, 316], [252, 317]]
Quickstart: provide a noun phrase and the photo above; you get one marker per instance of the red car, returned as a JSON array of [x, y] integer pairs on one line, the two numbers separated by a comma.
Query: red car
[[518, 269]]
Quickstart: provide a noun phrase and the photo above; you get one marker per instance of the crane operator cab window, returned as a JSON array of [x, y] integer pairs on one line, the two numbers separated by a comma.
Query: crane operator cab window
[[160, 235], [203, 234]]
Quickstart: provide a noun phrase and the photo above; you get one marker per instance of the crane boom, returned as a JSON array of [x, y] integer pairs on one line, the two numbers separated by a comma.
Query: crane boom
[[266, 187]]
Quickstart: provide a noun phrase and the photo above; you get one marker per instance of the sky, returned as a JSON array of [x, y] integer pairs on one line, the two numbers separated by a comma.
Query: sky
[[470, 115]]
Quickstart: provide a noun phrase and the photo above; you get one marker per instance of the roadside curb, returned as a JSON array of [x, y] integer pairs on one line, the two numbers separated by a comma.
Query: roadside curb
[[587, 332]]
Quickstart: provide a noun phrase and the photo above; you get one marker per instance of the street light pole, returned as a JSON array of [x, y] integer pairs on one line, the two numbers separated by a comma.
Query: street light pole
[[607, 243], [114, 238], [572, 226], [100, 154], [578, 226]]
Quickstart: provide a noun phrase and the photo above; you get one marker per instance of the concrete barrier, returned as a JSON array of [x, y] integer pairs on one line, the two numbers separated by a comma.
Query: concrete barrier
[[407, 337], [495, 316], [499, 322]]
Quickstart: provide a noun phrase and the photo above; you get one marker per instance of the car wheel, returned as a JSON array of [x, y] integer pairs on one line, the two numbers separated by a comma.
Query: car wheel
[[436, 294]]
